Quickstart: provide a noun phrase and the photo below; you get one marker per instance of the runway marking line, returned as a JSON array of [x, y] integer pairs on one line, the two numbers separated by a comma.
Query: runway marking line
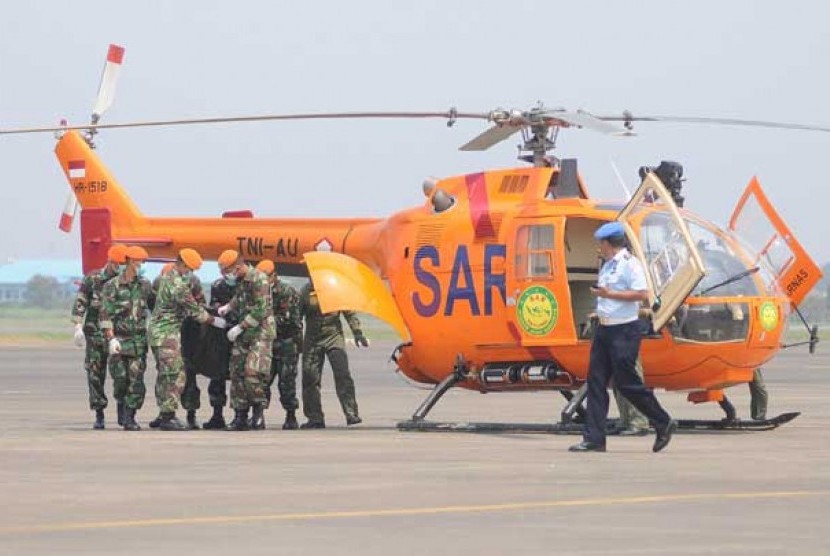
[[304, 516]]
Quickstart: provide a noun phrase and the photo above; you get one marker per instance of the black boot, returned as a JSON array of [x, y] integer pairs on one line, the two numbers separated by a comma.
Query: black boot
[[169, 422], [120, 413], [192, 423], [154, 424], [257, 417], [129, 420], [240, 421], [290, 423], [217, 421], [99, 419]]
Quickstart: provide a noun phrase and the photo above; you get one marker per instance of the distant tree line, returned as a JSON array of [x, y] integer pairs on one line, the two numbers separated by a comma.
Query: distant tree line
[[46, 292]]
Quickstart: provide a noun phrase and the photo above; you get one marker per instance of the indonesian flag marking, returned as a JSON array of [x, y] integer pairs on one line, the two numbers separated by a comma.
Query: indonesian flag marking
[[77, 169], [323, 245]]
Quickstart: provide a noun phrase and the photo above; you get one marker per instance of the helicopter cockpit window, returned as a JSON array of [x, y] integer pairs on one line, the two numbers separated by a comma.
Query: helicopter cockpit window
[[534, 251], [663, 246], [722, 264], [762, 240]]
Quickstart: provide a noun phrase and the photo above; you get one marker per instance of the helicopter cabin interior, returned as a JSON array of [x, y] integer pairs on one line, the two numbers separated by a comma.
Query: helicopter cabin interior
[[582, 265]]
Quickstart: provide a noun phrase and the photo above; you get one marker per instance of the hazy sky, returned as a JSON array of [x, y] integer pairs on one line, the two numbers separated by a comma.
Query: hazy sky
[[761, 60]]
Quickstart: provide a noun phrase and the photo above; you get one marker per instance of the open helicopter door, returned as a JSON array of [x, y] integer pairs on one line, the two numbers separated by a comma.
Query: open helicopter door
[[672, 263], [769, 239]]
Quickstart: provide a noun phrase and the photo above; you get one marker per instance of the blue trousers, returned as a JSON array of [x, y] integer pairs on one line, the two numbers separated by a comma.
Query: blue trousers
[[614, 353]]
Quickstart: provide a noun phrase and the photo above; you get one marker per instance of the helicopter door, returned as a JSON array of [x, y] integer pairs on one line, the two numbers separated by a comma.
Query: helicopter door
[[672, 262], [537, 283], [769, 240]]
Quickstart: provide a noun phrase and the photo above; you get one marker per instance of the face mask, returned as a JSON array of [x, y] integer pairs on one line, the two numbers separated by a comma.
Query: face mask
[[230, 279]]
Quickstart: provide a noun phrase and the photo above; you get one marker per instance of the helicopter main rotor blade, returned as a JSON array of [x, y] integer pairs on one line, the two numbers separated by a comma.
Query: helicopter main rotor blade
[[583, 119], [626, 118], [450, 115], [490, 137]]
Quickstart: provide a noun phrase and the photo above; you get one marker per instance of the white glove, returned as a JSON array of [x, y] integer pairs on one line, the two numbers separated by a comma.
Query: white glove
[[219, 322], [114, 346], [234, 333], [223, 310], [78, 337]]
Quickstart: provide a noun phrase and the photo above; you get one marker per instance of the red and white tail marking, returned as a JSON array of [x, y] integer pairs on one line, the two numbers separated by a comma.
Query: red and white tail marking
[[68, 214], [109, 77]]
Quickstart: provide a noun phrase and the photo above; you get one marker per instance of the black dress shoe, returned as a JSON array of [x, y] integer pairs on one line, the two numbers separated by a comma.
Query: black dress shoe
[[664, 436], [353, 420], [587, 447], [633, 432], [313, 425]]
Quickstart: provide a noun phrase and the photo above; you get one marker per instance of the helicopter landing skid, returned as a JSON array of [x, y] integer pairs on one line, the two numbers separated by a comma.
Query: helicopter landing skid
[[433, 426], [574, 428], [737, 424]]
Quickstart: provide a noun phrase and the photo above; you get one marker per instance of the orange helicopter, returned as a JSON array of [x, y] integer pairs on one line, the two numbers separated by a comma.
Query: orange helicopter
[[488, 281]]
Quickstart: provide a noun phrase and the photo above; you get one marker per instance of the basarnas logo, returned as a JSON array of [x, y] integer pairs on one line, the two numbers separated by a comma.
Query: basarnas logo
[[768, 314], [537, 310]]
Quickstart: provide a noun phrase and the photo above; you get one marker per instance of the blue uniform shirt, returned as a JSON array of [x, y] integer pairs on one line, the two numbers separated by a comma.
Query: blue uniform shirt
[[622, 273]]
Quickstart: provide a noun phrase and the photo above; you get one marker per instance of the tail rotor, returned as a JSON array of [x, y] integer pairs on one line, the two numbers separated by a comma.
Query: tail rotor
[[103, 100]]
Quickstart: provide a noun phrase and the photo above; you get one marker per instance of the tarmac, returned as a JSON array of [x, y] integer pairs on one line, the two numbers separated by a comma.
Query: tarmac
[[372, 489]]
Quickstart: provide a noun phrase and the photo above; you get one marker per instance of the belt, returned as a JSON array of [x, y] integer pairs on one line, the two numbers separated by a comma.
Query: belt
[[608, 321]]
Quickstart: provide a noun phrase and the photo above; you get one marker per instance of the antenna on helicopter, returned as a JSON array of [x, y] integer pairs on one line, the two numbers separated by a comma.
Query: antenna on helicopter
[[620, 179]]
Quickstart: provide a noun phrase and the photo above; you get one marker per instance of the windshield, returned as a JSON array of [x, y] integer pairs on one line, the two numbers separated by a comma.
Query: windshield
[[720, 259]]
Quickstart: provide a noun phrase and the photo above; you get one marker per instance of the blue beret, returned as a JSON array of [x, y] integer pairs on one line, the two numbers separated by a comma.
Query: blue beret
[[609, 230]]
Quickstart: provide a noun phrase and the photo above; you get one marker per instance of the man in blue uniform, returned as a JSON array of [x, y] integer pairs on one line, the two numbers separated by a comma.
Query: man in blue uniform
[[616, 344]]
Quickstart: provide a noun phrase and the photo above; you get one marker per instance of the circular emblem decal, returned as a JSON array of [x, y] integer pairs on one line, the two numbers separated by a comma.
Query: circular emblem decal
[[537, 310], [768, 313]]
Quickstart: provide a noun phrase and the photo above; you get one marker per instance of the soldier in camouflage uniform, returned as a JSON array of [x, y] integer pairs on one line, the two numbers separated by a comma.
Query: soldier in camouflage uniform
[[324, 338], [190, 338], [174, 303], [633, 423], [758, 399], [123, 318], [286, 347], [250, 365], [87, 330]]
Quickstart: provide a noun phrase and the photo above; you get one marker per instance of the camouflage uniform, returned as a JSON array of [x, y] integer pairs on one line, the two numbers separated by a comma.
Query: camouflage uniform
[[85, 310], [124, 308], [630, 418], [758, 396], [174, 303], [285, 352], [250, 365], [324, 338]]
